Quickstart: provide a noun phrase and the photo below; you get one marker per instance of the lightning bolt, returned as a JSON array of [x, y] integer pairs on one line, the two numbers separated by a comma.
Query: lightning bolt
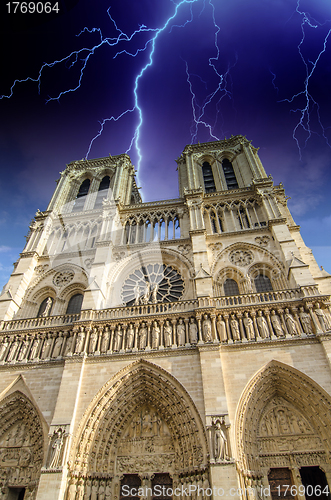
[[83, 55], [215, 96], [310, 104]]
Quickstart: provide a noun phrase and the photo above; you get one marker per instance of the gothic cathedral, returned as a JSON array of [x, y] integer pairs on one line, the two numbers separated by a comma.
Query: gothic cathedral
[[170, 349]]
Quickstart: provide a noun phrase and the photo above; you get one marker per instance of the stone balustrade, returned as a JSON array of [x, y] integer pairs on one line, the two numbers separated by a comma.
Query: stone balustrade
[[163, 329]]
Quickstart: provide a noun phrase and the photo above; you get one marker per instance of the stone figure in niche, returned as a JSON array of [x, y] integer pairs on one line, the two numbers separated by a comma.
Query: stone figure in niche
[[181, 332], [193, 331], [167, 330], [101, 492], [118, 338], [147, 292], [48, 307], [57, 443], [234, 328], [94, 490], [262, 325], [220, 442], [34, 349], [23, 350], [46, 350], [68, 347], [249, 284], [249, 326], [283, 425], [130, 337], [108, 490], [80, 490], [277, 324], [72, 490], [155, 335], [57, 346], [105, 340], [13, 349], [305, 321], [87, 492], [290, 323], [3, 348], [221, 329], [142, 336], [93, 340], [322, 318], [206, 328], [154, 293], [80, 340]]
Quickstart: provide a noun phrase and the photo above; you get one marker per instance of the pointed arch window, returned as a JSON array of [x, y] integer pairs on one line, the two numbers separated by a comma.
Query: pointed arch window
[[262, 283], [81, 195], [231, 287], [208, 178], [230, 176], [75, 304], [102, 191]]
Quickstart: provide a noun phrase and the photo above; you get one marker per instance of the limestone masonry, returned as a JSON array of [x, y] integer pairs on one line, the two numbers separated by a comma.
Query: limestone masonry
[[168, 349]]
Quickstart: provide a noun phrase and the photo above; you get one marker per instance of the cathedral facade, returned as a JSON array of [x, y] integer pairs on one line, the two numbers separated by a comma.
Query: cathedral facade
[[168, 349]]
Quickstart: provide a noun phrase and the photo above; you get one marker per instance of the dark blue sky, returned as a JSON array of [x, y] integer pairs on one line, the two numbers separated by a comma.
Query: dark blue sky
[[261, 68]]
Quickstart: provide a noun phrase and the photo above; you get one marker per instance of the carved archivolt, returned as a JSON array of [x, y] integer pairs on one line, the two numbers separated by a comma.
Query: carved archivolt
[[142, 420], [21, 444], [282, 412]]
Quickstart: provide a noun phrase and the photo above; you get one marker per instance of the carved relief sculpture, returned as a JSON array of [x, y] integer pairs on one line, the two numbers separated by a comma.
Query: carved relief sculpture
[[249, 327], [262, 325], [181, 332], [193, 331], [277, 324], [206, 329], [221, 329]]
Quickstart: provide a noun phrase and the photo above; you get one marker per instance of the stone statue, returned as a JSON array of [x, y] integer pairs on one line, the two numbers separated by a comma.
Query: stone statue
[[3, 348], [249, 285], [101, 492], [68, 347], [80, 340], [277, 324], [46, 349], [155, 335], [142, 336], [13, 349], [87, 492], [118, 338], [234, 328], [80, 490], [130, 337], [220, 443], [305, 322], [137, 293], [108, 490], [206, 329], [49, 303], [93, 341], [221, 329], [147, 292], [193, 331], [290, 323], [154, 293], [322, 318], [56, 449], [34, 349], [72, 490], [167, 330], [57, 346], [262, 325], [105, 340], [94, 490], [23, 350], [181, 332], [249, 327]]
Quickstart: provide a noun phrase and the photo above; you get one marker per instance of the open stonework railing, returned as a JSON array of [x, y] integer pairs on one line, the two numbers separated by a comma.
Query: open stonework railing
[[281, 315]]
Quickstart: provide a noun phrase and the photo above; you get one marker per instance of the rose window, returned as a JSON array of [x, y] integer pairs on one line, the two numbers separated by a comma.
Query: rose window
[[153, 283], [241, 258]]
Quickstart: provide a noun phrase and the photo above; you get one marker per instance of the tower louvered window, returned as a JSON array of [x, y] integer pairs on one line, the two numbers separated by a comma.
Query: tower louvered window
[[208, 178], [230, 176]]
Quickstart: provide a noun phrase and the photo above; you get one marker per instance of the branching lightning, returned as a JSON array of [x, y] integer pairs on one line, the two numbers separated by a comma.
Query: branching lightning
[[305, 112]]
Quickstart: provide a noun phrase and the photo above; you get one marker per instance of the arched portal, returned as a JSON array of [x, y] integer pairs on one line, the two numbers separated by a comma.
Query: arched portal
[[282, 426], [21, 446], [142, 422]]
